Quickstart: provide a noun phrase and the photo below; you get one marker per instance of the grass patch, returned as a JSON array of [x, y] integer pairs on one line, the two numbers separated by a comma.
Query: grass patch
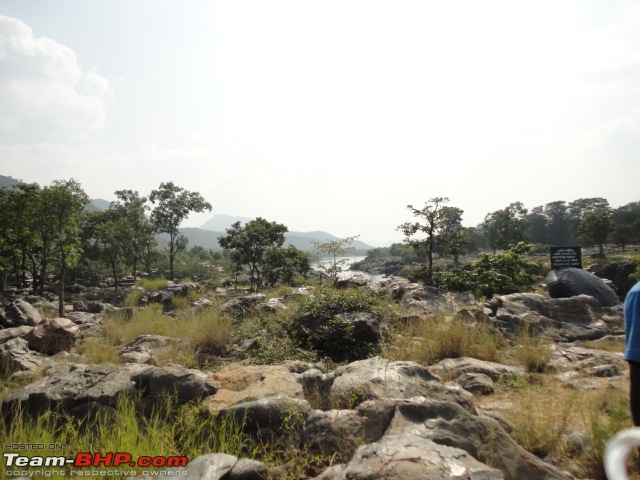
[[533, 353], [429, 340], [152, 284]]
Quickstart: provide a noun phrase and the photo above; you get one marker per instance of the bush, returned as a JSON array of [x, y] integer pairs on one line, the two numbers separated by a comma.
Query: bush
[[317, 327], [503, 273]]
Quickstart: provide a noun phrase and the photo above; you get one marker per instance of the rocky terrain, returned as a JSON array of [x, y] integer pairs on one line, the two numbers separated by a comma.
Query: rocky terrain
[[381, 417]]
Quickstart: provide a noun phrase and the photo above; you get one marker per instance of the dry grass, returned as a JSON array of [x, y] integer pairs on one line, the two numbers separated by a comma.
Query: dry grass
[[432, 339]]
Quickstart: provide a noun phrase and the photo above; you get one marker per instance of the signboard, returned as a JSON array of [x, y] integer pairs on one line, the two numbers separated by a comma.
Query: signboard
[[563, 257]]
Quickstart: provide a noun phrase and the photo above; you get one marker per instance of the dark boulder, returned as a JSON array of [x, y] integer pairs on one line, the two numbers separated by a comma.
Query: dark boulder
[[571, 282], [620, 273]]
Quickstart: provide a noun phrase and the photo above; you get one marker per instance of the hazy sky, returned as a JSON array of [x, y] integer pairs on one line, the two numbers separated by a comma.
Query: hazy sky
[[326, 115]]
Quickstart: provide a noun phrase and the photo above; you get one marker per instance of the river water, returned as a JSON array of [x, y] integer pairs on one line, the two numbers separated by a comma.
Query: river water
[[373, 278]]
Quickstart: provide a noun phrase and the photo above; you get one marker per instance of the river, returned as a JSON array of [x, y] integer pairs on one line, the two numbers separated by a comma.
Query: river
[[373, 278]]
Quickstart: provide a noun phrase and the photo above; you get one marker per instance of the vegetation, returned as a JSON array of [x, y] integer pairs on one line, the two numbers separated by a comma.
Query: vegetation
[[174, 205], [335, 248]]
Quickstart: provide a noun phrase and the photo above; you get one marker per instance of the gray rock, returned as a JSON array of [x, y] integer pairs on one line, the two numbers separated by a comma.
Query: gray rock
[[432, 300], [52, 335], [605, 371], [367, 327], [407, 456], [476, 383], [19, 313], [456, 367], [351, 280], [571, 282], [447, 423], [7, 334], [564, 319], [144, 347], [620, 273], [15, 356], [246, 469], [214, 466], [379, 378], [273, 305], [243, 305]]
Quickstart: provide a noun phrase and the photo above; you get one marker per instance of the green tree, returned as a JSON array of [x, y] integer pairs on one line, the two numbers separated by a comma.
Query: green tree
[[430, 214], [576, 211], [66, 202], [558, 227], [453, 236], [283, 264], [596, 226], [137, 236], [249, 243], [626, 224], [174, 204], [335, 249], [507, 226]]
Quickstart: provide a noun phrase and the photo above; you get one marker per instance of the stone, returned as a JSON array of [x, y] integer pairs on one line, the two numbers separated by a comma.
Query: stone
[[456, 367], [52, 335], [367, 327], [620, 273], [145, 347], [19, 313], [379, 378], [15, 356], [243, 305], [213, 466], [605, 371], [571, 282], [247, 469], [447, 423], [407, 456], [273, 305], [476, 383], [351, 280], [431, 300], [7, 334]]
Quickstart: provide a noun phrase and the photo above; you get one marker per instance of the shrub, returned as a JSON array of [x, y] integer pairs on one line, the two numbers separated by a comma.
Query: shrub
[[152, 284], [504, 273], [317, 327]]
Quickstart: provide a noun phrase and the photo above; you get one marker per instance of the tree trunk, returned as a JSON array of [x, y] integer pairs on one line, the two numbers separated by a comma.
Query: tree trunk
[[63, 272]]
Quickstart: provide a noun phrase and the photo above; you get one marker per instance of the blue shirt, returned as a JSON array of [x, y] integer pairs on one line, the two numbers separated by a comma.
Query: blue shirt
[[632, 324]]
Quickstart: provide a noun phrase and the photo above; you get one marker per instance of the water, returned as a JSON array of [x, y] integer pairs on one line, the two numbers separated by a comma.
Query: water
[[373, 278]]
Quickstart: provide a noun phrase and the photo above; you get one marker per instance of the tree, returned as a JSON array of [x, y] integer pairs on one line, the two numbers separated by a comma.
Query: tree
[[453, 236], [626, 224], [66, 201], [335, 248], [558, 228], [250, 242], [507, 226], [538, 226], [431, 214], [596, 226], [109, 235], [576, 211], [174, 205], [137, 234], [283, 264]]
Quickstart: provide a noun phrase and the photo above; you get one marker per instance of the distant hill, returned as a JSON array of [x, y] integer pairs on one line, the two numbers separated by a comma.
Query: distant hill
[[208, 239], [9, 181], [98, 204], [221, 222]]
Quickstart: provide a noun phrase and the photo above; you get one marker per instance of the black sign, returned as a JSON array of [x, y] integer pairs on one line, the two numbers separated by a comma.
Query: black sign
[[563, 257]]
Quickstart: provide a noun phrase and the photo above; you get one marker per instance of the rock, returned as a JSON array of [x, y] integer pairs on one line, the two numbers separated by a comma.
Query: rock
[[88, 323], [273, 305], [432, 300], [69, 387], [447, 423], [19, 313], [241, 306], [395, 286], [571, 357], [605, 371], [407, 456], [7, 334], [241, 383], [571, 282], [457, 367], [15, 356], [563, 319], [367, 327], [214, 466], [145, 347], [246, 469], [268, 417], [620, 273], [476, 383], [351, 280], [379, 378], [52, 335]]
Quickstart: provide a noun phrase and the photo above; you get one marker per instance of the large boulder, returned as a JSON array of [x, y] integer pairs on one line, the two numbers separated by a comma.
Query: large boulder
[[52, 335], [564, 319], [243, 305], [19, 313], [620, 273], [217, 466], [571, 282], [456, 367], [407, 456], [79, 389], [351, 280], [15, 356], [379, 378], [432, 300]]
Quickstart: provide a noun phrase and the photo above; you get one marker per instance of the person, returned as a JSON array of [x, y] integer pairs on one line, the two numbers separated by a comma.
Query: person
[[632, 348]]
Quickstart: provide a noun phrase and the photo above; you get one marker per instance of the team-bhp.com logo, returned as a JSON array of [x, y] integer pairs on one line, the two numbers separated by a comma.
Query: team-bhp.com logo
[[95, 460]]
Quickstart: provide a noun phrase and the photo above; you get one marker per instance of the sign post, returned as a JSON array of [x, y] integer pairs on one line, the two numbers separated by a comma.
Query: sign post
[[563, 257]]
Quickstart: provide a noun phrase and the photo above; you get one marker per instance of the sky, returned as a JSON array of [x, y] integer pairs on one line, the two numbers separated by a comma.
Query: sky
[[326, 115]]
